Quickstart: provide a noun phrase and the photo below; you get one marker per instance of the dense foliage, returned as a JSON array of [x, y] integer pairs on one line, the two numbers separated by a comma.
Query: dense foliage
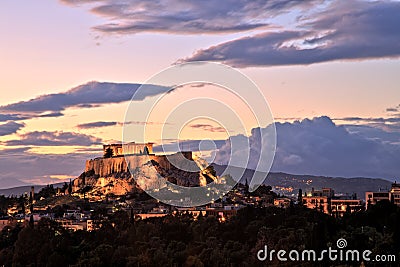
[[182, 241]]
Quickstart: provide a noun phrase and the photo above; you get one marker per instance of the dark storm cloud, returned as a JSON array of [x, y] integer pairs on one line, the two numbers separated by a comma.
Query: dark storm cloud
[[339, 30], [88, 95], [187, 16], [320, 147], [346, 30], [10, 127], [374, 133], [93, 93], [12, 117], [45, 138]]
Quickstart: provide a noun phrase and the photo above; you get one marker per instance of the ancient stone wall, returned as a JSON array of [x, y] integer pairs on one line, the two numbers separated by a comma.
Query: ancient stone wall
[[107, 166]]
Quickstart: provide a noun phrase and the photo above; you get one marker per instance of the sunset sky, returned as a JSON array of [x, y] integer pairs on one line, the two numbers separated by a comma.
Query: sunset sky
[[328, 69]]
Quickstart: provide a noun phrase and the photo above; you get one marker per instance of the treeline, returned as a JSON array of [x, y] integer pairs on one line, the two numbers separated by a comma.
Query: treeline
[[183, 241]]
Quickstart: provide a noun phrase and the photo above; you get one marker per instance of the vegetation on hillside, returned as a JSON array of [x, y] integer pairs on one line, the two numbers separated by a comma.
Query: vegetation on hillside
[[183, 241]]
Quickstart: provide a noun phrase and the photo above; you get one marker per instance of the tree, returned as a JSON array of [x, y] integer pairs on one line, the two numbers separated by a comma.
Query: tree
[[348, 209], [146, 150], [31, 221], [132, 216], [64, 187], [27, 247], [21, 204], [109, 153], [70, 187], [246, 187], [46, 192], [210, 170], [86, 190], [300, 198]]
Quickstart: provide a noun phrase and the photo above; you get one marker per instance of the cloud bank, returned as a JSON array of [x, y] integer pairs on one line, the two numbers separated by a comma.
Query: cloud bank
[[320, 147], [84, 96], [10, 127], [187, 16], [346, 30], [321, 31]]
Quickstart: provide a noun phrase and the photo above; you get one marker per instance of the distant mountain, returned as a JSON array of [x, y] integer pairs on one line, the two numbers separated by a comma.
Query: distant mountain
[[17, 191], [289, 184], [8, 182]]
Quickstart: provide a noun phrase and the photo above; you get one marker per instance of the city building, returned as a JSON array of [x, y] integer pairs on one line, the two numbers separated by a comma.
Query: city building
[[319, 199], [194, 211], [72, 225], [371, 198], [393, 195], [341, 205], [144, 216], [317, 202], [325, 192], [156, 212], [74, 214], [282, 202], [326, 201], [6, 221], [12, 210], [223, 212]]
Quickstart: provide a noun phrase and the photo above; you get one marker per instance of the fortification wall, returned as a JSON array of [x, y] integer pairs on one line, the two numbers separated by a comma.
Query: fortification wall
[[107, 166]]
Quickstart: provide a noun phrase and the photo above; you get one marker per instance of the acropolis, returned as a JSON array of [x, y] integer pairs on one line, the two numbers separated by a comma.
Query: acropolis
[[131, 148]]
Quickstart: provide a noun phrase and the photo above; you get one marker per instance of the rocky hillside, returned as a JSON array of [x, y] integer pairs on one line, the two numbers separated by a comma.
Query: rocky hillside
[[112, 175]]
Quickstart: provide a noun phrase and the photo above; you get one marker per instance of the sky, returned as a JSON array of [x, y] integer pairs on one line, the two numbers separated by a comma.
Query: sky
[[328, 69]]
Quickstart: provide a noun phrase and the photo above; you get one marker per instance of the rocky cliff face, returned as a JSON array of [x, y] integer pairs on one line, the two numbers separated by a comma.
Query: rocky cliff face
[[113, 175], [108, 166]]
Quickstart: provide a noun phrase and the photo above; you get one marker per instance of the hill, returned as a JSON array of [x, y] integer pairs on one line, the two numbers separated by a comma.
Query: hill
[[289, 184]]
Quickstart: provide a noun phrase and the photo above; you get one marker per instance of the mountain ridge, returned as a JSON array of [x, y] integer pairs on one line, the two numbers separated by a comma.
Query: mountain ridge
[[289, 184]]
